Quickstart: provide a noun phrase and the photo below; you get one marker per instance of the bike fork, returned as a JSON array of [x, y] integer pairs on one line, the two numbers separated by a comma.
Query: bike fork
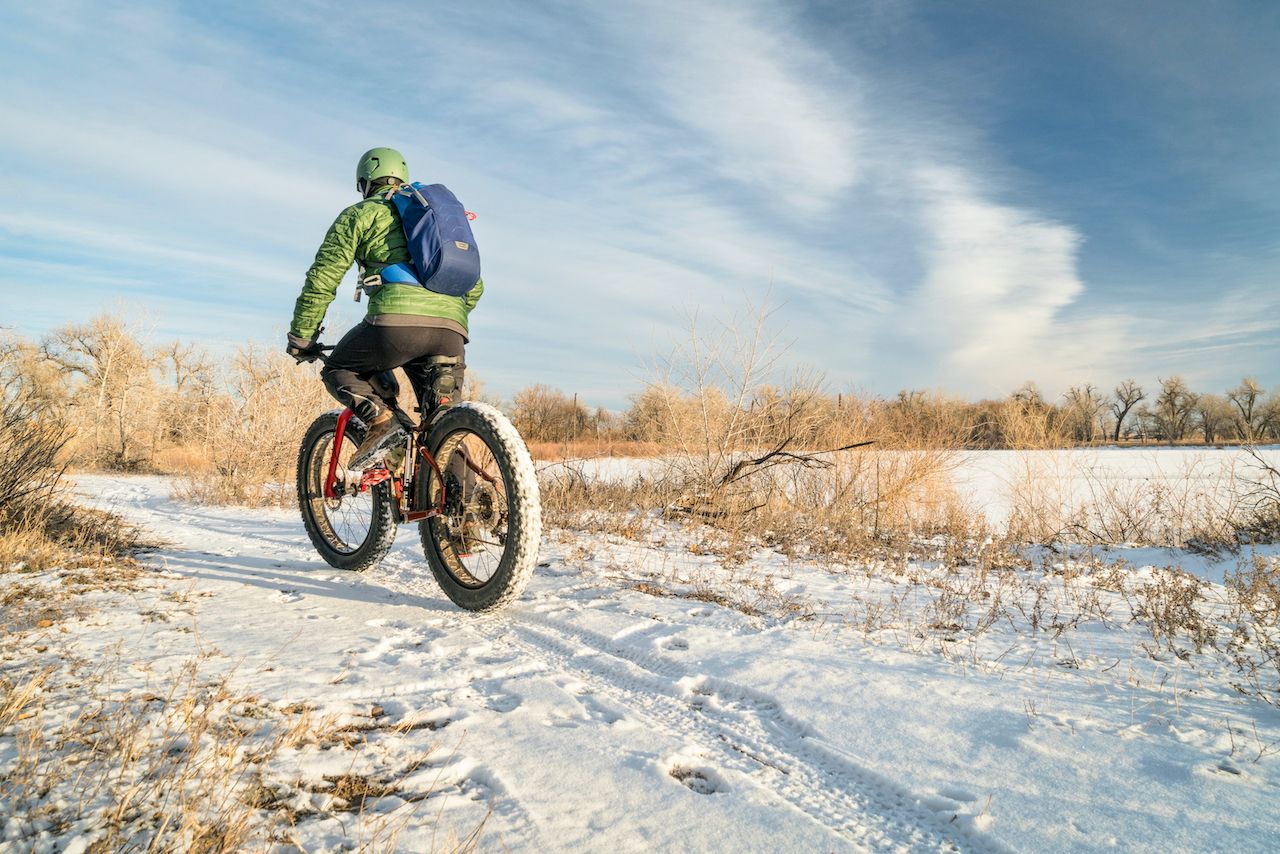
[[340, 433]]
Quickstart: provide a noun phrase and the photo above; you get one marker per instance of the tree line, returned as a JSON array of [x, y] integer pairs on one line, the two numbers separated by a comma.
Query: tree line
[[135, 406], [1171, 412]]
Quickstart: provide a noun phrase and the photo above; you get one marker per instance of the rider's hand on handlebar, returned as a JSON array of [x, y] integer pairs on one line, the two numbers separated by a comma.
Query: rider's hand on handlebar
[[302, 349]]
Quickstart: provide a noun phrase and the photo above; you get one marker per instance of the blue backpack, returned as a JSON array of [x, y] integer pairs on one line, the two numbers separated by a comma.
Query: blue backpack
[[445, 257]]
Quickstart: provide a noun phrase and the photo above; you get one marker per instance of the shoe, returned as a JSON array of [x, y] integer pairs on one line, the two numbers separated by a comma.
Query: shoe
[[383, 432]]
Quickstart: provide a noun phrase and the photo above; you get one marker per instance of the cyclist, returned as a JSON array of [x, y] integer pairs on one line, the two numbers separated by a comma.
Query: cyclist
[[405, 324]]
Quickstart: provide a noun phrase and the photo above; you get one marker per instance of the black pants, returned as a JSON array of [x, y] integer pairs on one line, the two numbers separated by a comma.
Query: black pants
[[367, 350]]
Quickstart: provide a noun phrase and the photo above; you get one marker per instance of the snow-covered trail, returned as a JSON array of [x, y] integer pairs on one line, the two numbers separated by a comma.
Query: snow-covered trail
[[591, 716]]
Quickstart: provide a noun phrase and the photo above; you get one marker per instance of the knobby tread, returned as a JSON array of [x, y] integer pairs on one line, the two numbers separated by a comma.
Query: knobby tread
[[382, 533], [524, 508]]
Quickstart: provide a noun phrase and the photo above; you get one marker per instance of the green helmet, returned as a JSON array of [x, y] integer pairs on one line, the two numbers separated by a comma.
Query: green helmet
[[381, 163]]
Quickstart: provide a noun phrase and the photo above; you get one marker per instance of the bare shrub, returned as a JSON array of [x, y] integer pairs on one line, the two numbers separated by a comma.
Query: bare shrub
[[573, 498], [255, 429], [1254, 595], [1260, 491], [38, 526], [31, 462], [1057, 497], [1171, 605], [775, 462]]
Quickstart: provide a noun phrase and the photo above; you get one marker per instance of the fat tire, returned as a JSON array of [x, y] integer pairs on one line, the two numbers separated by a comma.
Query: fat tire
[[382, 529], [524, 509]]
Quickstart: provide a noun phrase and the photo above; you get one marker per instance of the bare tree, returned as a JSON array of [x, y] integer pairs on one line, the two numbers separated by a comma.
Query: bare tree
[[1268, 414], [1213, 414], [1029, 393], [185, 403], [1083, 406], [546, 414], [26, 373], [1245, 398], [1173, 408], [117, 389], [1127, 396], [187, 366]]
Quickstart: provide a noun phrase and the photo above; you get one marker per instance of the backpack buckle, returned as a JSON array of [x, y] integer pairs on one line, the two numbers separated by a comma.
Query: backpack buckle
[[367, 284]]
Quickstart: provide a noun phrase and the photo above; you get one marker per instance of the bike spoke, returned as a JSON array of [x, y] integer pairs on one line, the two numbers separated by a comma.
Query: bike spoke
[[346, 521]]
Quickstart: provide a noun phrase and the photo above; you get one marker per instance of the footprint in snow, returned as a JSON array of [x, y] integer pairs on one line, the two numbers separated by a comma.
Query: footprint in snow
[[698, 778], [563, 718], [491, 693], [503, 703], [956, 793], [286, 595], [949, 799], [600, 711], [673, 644]]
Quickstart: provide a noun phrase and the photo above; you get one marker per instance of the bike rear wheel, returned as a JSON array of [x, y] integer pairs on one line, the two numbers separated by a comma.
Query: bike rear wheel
[[355, 529], [483, 548]]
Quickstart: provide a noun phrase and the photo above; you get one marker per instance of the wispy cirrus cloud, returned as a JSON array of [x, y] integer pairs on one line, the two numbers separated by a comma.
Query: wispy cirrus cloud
[[629, 161], [757, 103]]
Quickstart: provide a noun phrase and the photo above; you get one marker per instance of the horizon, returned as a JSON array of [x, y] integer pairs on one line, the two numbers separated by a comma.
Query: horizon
[[958, 198]]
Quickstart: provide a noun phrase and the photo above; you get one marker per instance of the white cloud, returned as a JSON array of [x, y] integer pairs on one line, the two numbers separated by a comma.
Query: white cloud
[[757, 99], [650, 160], [996, 278], [108, 240]]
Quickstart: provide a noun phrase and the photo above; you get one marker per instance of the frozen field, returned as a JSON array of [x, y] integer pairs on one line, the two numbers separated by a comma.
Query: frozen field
[[596, 715], [992, 479]]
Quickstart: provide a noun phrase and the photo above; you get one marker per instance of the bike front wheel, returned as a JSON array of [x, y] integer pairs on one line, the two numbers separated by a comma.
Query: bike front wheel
[[355, 529], [482, 549]]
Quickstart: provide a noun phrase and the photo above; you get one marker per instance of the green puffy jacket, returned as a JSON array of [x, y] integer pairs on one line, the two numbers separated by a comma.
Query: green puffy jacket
[[370, 231]]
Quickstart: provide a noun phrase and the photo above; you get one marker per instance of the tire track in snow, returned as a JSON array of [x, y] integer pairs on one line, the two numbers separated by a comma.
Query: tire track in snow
[[747, 731], [751, 734]]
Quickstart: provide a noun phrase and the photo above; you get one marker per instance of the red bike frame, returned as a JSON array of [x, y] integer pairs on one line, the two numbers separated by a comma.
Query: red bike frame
[[405, 508]]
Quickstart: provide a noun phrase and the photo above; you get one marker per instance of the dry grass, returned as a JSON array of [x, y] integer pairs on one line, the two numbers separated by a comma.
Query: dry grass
[[181, 761], [759, 459], [182, 460], [781, 464], [594, 449], [38, 526], [1254, 644], [254, 437]]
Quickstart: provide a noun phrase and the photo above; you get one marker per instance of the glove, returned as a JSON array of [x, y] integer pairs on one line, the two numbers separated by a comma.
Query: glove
[[302, 349]]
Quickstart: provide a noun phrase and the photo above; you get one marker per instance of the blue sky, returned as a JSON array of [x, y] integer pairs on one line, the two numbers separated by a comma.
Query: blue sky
[[959, 196]]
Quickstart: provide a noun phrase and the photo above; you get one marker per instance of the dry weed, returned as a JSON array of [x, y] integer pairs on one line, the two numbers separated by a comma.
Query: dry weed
[[255, 431], [185, 763], [38, 526]]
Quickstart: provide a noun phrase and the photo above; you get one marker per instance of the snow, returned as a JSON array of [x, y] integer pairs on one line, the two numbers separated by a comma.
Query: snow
[[591, 715], [992, 478]]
